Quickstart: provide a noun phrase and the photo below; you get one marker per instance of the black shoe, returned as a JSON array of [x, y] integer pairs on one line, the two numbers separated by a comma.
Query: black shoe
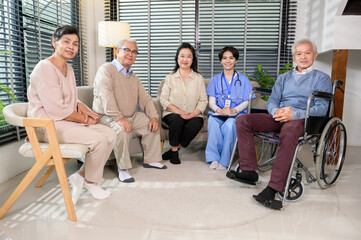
[[248, 177], [174, 157], [166, 155], [267, 198]]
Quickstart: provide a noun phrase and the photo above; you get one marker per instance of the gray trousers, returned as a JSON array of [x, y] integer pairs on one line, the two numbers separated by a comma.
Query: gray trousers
[[140, 126]]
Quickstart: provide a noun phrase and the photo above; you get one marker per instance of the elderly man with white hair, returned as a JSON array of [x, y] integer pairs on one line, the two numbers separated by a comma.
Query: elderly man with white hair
[[117, 92], [287, 111]]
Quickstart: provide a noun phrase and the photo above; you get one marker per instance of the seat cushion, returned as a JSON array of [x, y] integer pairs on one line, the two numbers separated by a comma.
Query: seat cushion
[[67, 150]]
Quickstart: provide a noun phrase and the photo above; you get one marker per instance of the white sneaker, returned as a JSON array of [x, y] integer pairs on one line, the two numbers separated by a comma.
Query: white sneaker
[[77, 183], [214, 165], [96, 191], [221, 168]]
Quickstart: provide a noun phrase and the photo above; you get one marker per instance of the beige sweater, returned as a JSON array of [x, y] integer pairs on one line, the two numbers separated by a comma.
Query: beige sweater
[[117, 96], [52, 95], [186, 96]]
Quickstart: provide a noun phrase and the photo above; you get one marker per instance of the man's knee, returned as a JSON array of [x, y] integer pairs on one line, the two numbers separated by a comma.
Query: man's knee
[[242, 122], [292, 130]]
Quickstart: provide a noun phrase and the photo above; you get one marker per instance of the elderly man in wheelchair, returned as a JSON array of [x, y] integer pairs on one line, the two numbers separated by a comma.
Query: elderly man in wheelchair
[[288, 106]]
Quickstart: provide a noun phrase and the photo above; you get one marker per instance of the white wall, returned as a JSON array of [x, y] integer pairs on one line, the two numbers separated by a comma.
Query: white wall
[[315, 20], [94, 12]]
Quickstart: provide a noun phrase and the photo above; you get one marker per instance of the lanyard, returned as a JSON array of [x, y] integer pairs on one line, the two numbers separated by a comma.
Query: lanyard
[[229, 87]]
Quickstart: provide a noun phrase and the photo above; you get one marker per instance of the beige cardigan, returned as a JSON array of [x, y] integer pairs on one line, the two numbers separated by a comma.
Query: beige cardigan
[[117, 95], [52, 95], [185, 96]]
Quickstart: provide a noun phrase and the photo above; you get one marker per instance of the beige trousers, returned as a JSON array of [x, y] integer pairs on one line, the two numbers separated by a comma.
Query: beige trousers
[[100, 141], [140, 126]]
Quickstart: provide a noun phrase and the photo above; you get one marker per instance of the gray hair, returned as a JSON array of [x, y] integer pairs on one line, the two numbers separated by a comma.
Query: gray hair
[[304, 40], [120, 44]]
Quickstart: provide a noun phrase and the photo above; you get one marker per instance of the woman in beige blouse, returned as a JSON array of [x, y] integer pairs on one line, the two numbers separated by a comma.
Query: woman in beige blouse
[[184, 99], [52, 94]]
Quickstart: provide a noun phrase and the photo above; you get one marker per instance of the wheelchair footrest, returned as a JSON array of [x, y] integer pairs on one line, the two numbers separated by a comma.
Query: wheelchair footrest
[[273, 204]]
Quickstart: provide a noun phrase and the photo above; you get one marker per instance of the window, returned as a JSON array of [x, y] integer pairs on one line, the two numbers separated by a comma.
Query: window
[[262, 31], [26, 28]]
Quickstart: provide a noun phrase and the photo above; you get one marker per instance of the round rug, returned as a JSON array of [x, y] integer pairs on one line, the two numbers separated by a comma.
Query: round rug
[[188, 196]]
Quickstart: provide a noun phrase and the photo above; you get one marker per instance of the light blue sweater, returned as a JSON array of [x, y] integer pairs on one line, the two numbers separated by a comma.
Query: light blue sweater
[[287, 92]]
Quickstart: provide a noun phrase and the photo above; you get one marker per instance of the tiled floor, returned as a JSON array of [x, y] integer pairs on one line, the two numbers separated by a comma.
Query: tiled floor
[[182, 203]]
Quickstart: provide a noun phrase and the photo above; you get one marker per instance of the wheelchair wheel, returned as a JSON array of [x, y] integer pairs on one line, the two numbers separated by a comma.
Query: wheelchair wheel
[[265, 151], [295, 191], [331, 152]]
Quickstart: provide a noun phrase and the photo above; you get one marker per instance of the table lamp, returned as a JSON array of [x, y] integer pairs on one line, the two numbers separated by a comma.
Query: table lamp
[[111, 32]]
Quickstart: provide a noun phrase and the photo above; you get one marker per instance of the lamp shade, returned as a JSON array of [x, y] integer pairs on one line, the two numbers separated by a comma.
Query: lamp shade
[[111, 32]]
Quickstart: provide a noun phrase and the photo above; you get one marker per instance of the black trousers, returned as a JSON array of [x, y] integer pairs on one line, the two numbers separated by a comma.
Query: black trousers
[[182, 131]]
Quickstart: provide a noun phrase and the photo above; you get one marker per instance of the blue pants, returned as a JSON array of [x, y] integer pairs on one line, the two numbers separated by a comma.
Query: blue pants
[[221, 138]]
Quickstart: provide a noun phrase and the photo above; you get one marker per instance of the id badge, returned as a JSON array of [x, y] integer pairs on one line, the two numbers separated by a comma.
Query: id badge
[[227, 103]]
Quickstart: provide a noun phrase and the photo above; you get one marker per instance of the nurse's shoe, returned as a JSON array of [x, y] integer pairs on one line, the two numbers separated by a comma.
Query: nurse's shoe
[[220, 168], [214, 165]]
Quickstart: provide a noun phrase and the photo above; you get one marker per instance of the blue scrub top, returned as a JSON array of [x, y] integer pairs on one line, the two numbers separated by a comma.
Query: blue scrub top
[[240, 90]]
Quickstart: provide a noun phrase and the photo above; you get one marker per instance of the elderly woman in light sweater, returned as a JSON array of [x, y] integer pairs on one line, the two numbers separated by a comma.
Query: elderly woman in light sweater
[[184, 99], [52, 94]]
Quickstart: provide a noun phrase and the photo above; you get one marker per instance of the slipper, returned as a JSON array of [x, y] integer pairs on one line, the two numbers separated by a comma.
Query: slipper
[[273, 204], [146, 165], [232, 175]]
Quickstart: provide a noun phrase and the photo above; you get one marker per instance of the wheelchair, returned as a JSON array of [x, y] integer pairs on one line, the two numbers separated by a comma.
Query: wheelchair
[[326, 137]]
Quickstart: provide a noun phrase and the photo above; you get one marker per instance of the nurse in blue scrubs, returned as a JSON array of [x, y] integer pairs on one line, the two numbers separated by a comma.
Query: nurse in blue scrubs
[[228, 94]]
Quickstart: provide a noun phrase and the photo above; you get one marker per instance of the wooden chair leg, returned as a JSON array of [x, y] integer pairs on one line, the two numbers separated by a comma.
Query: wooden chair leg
[[22, 186], [63, 180], [45, 176], [161, 145]]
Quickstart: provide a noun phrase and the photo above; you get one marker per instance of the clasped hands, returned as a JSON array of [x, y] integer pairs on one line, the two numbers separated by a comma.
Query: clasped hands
[[226, 111], [283, 114], [91, 117], [127, 125]]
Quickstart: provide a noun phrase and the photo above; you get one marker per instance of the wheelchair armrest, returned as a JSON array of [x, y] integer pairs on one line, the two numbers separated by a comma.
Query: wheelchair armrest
[[324, 95]]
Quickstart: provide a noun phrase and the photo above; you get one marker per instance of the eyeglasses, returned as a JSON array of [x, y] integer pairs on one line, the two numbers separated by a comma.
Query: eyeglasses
[[127, 50]]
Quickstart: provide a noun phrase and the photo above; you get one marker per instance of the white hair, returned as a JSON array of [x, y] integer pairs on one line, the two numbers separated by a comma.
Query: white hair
[[304, 40], [120, 44]]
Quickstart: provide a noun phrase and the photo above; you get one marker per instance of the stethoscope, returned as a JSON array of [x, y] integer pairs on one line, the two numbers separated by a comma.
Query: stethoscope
[[234, 84]]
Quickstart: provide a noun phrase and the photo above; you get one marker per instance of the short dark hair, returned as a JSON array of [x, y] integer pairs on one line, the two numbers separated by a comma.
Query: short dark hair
[[63, 30], [194, 61], [233, 50]]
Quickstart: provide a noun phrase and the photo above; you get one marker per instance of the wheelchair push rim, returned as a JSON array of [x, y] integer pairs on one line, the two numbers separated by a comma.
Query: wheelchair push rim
[[330, 153]]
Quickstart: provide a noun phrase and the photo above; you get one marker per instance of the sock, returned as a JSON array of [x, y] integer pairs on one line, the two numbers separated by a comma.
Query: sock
[[156, 165], [124, 175], [96, 191], [166, 155], [214, 165], [77, 183], [174, 158]]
